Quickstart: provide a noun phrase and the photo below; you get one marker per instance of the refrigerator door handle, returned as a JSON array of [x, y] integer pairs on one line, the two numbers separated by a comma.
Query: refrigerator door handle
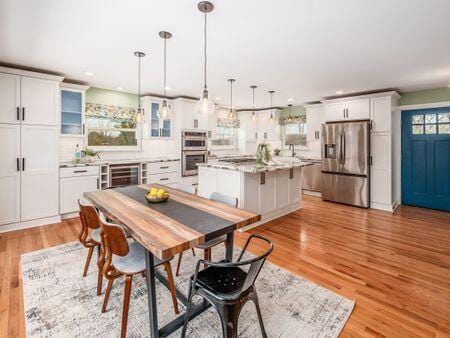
[[340, 148], [343, 148]]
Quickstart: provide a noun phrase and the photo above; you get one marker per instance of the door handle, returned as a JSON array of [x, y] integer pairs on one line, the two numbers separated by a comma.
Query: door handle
[[23, 113], [18, 164], [23, 163], [18, 114]]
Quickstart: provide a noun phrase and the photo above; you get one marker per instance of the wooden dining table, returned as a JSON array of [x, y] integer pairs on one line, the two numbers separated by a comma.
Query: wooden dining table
[[169, 228]]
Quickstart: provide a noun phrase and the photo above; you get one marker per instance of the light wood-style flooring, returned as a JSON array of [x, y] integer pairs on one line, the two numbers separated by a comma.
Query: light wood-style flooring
[[395, 266]]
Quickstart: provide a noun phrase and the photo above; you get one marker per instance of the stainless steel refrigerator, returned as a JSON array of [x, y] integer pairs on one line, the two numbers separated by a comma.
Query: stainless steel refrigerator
[[345, 162]]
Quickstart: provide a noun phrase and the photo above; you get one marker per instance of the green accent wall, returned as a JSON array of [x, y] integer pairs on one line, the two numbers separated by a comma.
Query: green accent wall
[[296, 111], [425, 96], [111, 97]]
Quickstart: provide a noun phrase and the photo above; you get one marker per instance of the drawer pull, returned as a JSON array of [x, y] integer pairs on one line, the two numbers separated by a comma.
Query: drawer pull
[[80, 171], [166, 167], [164, 179]]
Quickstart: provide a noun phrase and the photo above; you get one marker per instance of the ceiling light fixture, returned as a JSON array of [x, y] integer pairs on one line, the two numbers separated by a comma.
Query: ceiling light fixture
[[164, 111], [167, 88], [119, 88], [290, 113], [290, 100], [231, 113], [339, 92], [253, 87], [218, 98], [205, 105], [89, 73], [271, 92], [140, 111]]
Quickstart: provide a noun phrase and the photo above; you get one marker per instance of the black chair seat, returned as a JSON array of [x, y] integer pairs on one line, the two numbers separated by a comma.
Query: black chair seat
[[224, 283]]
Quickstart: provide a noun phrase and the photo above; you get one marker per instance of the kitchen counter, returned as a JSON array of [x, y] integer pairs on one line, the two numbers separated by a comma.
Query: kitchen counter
[[117, 161], [253, 167]]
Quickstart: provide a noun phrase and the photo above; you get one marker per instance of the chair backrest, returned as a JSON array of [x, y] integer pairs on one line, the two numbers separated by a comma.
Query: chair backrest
[[88, 214], [114, 238], [217, 196], [186, 188]]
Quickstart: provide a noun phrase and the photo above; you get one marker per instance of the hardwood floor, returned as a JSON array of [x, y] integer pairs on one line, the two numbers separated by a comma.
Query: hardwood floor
[[396, 267]]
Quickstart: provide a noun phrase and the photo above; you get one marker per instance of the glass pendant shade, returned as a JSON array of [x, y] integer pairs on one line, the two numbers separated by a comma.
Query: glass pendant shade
[[253, 116], [164, 111], [271, 118], [205, 105], [140, 115]]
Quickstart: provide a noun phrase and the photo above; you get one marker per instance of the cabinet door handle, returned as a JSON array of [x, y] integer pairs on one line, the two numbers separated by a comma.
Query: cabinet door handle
[[343, 112], [18, 114], [256, 136], [83, 128], [98, 183], [23, 163], [166, 167], [18, 164], [80, 171], [23, 113], [164, 179]]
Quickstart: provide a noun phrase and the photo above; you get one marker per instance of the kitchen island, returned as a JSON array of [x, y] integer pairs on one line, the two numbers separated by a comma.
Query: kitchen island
[[271, 191]]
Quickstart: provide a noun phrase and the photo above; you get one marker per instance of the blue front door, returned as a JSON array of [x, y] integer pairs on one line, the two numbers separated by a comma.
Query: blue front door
[[426, 158]]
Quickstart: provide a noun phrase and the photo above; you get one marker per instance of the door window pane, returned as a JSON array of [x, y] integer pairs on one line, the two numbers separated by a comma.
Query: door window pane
[[444, 118], [417, 130], [430, 118], [430, 129], [417, 119], [444, 128]]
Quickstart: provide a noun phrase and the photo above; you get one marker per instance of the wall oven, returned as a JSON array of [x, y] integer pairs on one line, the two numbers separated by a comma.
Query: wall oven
[[194, 150]]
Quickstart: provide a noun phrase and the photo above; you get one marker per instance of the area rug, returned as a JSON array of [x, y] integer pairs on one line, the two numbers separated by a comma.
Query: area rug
[[59, 302]]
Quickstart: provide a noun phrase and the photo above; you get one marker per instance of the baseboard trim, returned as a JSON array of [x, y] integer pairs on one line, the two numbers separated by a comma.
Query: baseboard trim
[[382, 206], [312, 193], [70, 215], [30, 224]]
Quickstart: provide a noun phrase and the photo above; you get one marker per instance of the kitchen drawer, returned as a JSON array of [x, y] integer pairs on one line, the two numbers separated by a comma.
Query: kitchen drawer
[[79, 171], [72, 188], [164, 178], [163, 167]]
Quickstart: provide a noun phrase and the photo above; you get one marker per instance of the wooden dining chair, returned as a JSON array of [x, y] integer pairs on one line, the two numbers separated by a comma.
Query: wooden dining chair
[[90, 237], [207, 246], [127, 259]]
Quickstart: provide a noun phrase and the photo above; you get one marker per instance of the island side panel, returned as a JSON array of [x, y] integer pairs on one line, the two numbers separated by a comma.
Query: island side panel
[[225, 181]]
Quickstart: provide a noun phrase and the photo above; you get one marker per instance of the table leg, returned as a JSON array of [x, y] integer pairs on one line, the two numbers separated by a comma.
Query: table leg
[[229, 249], [151, 291]]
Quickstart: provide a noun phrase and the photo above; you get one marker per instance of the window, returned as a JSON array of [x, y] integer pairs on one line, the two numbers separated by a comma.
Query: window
[[295, 134], [110, 126], [226, 132], [434, 123]]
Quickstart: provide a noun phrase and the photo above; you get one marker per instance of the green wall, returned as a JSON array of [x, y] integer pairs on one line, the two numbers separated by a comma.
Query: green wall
[[296, 110], [425, 96], [111, 97]]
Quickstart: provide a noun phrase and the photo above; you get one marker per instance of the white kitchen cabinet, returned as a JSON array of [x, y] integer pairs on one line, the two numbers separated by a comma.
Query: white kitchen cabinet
[[314, 120], [248, 126], [9, 173], [380, 171], [163, 172], [207, 181], [268, 131], [190, 118], [380, 114], [39, 175], [334, 111], [9, 98], [268, 196], [72, 110], [39, 101], [71, 189], [353, 109]]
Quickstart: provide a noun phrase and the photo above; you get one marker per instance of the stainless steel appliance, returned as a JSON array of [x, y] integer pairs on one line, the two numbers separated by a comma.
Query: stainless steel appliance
[[312, 175], [122, 175], [194, 150], [345, 162]]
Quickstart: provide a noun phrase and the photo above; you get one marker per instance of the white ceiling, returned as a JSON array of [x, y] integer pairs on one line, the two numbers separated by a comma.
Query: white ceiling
[[302, 49]]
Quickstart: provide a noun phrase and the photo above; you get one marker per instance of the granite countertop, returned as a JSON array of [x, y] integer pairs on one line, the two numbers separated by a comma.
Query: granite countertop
[[253, 167], [117, 161]]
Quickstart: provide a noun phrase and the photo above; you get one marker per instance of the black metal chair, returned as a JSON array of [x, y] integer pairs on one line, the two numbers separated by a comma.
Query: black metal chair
[[227, 287]]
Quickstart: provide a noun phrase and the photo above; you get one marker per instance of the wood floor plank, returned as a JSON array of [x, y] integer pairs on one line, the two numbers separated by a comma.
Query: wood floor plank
[[395, 266]]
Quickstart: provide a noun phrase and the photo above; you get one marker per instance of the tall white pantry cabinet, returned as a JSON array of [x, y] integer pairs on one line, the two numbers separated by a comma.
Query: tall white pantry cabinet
[[29, 143]]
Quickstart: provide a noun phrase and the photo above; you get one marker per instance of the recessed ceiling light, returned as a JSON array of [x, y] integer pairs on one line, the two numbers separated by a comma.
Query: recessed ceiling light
[[218, 98], [119, 88], [167, 88], [339, 92], [89, 73], [291, 99]]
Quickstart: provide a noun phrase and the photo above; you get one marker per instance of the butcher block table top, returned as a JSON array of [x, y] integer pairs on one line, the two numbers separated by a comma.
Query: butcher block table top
[[171, 227]]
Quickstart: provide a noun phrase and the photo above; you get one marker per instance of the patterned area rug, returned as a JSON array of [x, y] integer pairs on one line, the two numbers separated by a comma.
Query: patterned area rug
[[59, 302]]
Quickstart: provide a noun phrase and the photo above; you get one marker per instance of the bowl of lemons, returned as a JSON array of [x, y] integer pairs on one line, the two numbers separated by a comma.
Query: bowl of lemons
[[155, 195]]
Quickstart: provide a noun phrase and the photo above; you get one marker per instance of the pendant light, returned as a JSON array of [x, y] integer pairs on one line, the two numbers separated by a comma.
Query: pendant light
[[232, 113], [205, 105], [271, 105], [164, 111], [253, 87], [290, 113], [140, 111]]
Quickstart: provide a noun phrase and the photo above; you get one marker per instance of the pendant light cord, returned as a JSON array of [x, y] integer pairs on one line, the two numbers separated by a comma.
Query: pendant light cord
[[139, 85], [204, 52], [165, 67], [253, 100]]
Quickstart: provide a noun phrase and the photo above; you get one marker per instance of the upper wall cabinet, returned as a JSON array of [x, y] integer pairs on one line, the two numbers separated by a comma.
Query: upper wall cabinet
[[72, 109], [380, 113], [9, 98], [39, 100], [190, 118], [28, 100], [314, 120], [358, 109]]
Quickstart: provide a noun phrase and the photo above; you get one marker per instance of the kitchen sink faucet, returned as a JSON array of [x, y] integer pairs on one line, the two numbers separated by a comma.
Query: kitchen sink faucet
[[293, 150]]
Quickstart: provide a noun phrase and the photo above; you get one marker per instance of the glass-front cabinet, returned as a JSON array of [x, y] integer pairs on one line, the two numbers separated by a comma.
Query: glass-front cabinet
[[72, 109], [158, 128]]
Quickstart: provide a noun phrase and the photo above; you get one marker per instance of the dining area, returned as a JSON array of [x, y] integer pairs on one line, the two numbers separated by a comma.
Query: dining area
[[133, 237]]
